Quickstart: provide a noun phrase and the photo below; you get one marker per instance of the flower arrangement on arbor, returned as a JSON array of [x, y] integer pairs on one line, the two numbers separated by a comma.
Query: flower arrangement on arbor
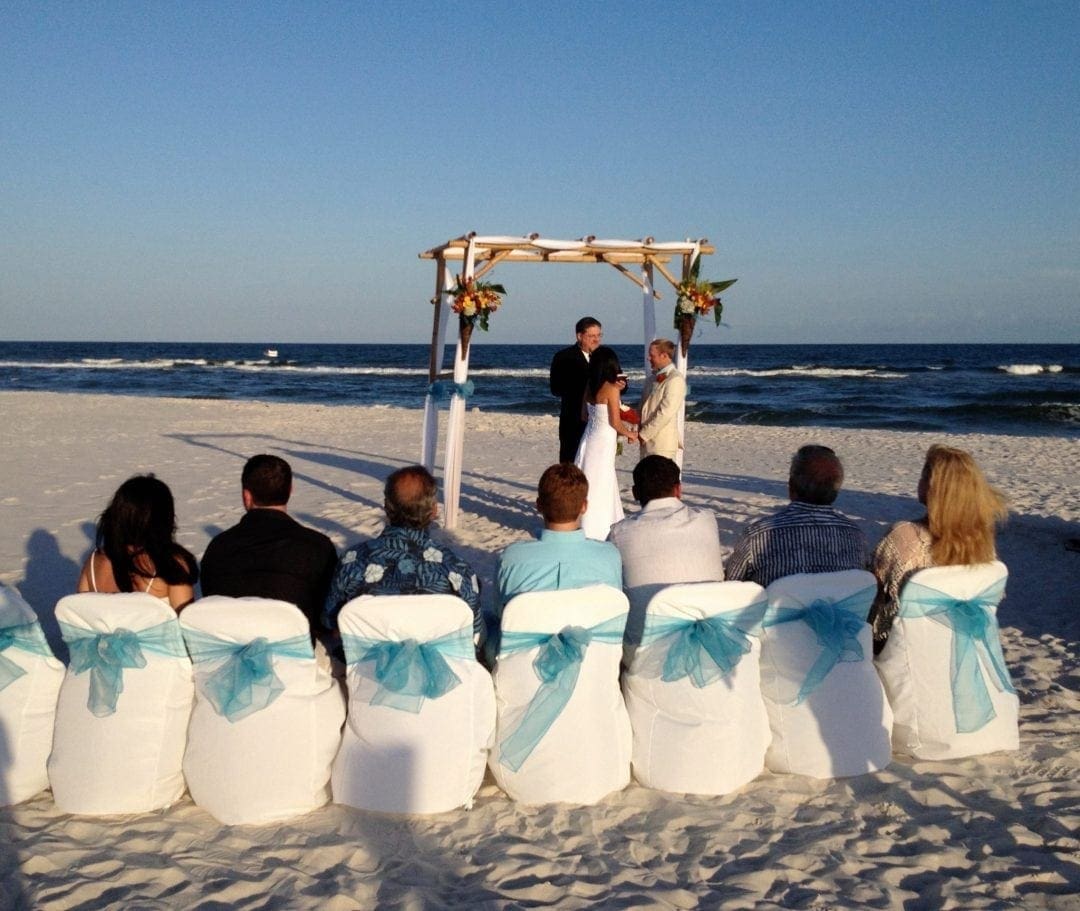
[[474, 302], [696, 297]]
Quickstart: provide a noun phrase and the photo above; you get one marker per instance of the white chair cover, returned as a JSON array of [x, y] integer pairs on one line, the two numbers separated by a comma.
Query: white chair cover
[[128, 761], [412, 755], [274, 762], [585, 753], [30, 678], [708, 739], [916, 668], [841, 725]]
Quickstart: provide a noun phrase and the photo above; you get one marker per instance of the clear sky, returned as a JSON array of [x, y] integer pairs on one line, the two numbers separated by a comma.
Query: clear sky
[[269, 171]]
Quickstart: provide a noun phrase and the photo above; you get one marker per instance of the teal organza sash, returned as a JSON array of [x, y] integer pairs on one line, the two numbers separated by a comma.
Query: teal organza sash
[[245, 681], [702, 651], [976, 647], [26, 637], [408, 671], [836, 624], [557, 665], [107, 655]]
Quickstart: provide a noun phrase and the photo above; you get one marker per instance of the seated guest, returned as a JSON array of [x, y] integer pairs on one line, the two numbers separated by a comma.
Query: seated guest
[[666, 543], [807, 535], [268, 554], [563, 557], [957, 530], [135, 548], [404, 560]]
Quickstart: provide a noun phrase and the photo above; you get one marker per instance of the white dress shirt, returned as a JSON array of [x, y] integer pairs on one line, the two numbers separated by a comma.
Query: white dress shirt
[[664, 544]]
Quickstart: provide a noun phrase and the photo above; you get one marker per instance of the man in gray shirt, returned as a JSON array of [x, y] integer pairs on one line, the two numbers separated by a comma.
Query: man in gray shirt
[[664, 544]]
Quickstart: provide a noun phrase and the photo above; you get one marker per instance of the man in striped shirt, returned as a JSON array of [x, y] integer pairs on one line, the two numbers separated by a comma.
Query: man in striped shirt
[[807, 535]]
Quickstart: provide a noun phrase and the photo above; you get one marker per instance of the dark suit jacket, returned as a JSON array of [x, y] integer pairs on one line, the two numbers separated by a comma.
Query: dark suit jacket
[[569, 377], [271, 555]]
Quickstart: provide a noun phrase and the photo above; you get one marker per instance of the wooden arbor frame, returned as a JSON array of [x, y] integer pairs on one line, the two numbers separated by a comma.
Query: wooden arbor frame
[[478, 256]]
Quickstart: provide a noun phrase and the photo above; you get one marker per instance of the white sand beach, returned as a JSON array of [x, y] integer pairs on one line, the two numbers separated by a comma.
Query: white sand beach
[[995, 831]]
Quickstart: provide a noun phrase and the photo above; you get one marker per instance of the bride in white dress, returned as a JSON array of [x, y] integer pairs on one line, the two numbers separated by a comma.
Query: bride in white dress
[[596, 452]]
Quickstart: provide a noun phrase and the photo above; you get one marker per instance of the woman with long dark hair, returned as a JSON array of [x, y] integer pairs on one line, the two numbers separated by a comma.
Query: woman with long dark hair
[[596, 452], [135, 547]]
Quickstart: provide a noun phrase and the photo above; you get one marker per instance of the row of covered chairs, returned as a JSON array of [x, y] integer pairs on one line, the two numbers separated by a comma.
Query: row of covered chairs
[[728, 679]]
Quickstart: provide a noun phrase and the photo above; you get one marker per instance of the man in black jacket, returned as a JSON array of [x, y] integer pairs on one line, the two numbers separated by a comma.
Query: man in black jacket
[[269, 554], [569, 376]]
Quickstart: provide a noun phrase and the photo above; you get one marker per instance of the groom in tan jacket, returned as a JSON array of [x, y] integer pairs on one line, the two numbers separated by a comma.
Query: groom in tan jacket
[[661, 408]]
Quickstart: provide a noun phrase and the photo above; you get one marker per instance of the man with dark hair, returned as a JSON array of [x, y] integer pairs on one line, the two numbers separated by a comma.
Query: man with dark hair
[[665, 543], [569, 376], [563, 557], [268, 554], [807, 535], [404, 559]]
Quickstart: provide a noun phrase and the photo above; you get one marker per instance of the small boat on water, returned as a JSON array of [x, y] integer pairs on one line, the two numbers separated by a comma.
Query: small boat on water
[[271, 352]]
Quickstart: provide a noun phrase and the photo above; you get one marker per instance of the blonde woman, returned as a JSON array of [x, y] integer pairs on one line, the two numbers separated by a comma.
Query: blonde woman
[[962, 510]]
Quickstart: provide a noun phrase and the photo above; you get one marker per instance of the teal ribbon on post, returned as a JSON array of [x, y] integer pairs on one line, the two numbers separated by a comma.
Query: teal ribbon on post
[[107, 655], [408, 671], [836, 624], [557, 665], [702, 651], [245, 681], [976, 647], [444, 389], [26, 637]]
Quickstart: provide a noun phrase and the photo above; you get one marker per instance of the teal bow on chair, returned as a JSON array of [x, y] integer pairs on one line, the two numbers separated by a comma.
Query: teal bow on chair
[[26, 637], [836, 624], [702, 651], [408, 671], [976, 647], [107, 655], [557, 665], [245, 681]]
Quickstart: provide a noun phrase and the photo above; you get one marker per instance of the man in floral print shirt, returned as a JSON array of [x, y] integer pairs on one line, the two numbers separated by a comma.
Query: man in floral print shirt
[[404, 560]]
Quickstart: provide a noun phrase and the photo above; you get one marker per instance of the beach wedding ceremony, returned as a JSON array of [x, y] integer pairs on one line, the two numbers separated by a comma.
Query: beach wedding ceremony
[[590, 455]]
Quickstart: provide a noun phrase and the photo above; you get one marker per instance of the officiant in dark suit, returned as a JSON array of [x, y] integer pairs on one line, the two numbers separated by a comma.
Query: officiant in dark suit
[[569, 374]]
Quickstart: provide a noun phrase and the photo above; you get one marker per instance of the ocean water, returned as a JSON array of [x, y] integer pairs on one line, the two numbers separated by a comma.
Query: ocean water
[[1011, 389]]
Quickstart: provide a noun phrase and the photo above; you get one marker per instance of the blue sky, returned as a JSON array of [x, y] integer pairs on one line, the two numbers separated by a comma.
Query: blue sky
[[269, 171]]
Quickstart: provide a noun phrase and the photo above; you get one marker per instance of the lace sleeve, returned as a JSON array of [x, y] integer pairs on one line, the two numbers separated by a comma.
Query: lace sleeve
[[904, 550]]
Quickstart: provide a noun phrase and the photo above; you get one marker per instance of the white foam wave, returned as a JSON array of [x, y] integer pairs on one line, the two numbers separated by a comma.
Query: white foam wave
[[803, 371], [1028, 369]]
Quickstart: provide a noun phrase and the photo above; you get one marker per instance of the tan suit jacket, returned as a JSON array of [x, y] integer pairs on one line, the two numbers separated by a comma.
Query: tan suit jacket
[[660, 409]]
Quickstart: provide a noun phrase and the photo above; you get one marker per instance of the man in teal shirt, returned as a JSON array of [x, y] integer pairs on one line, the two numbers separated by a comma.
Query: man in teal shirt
[[563, 557]]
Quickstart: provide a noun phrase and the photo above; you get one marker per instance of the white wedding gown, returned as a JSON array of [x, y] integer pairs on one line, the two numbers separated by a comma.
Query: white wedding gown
[[596, 457]]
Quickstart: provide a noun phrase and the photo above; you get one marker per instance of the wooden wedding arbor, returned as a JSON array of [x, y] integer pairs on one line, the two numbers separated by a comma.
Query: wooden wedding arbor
[[638, 260]]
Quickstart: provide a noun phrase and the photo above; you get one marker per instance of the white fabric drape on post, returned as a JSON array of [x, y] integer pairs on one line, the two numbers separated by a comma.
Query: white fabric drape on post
[[429, 444], [455, 428], [648, 311], [682, 364]]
